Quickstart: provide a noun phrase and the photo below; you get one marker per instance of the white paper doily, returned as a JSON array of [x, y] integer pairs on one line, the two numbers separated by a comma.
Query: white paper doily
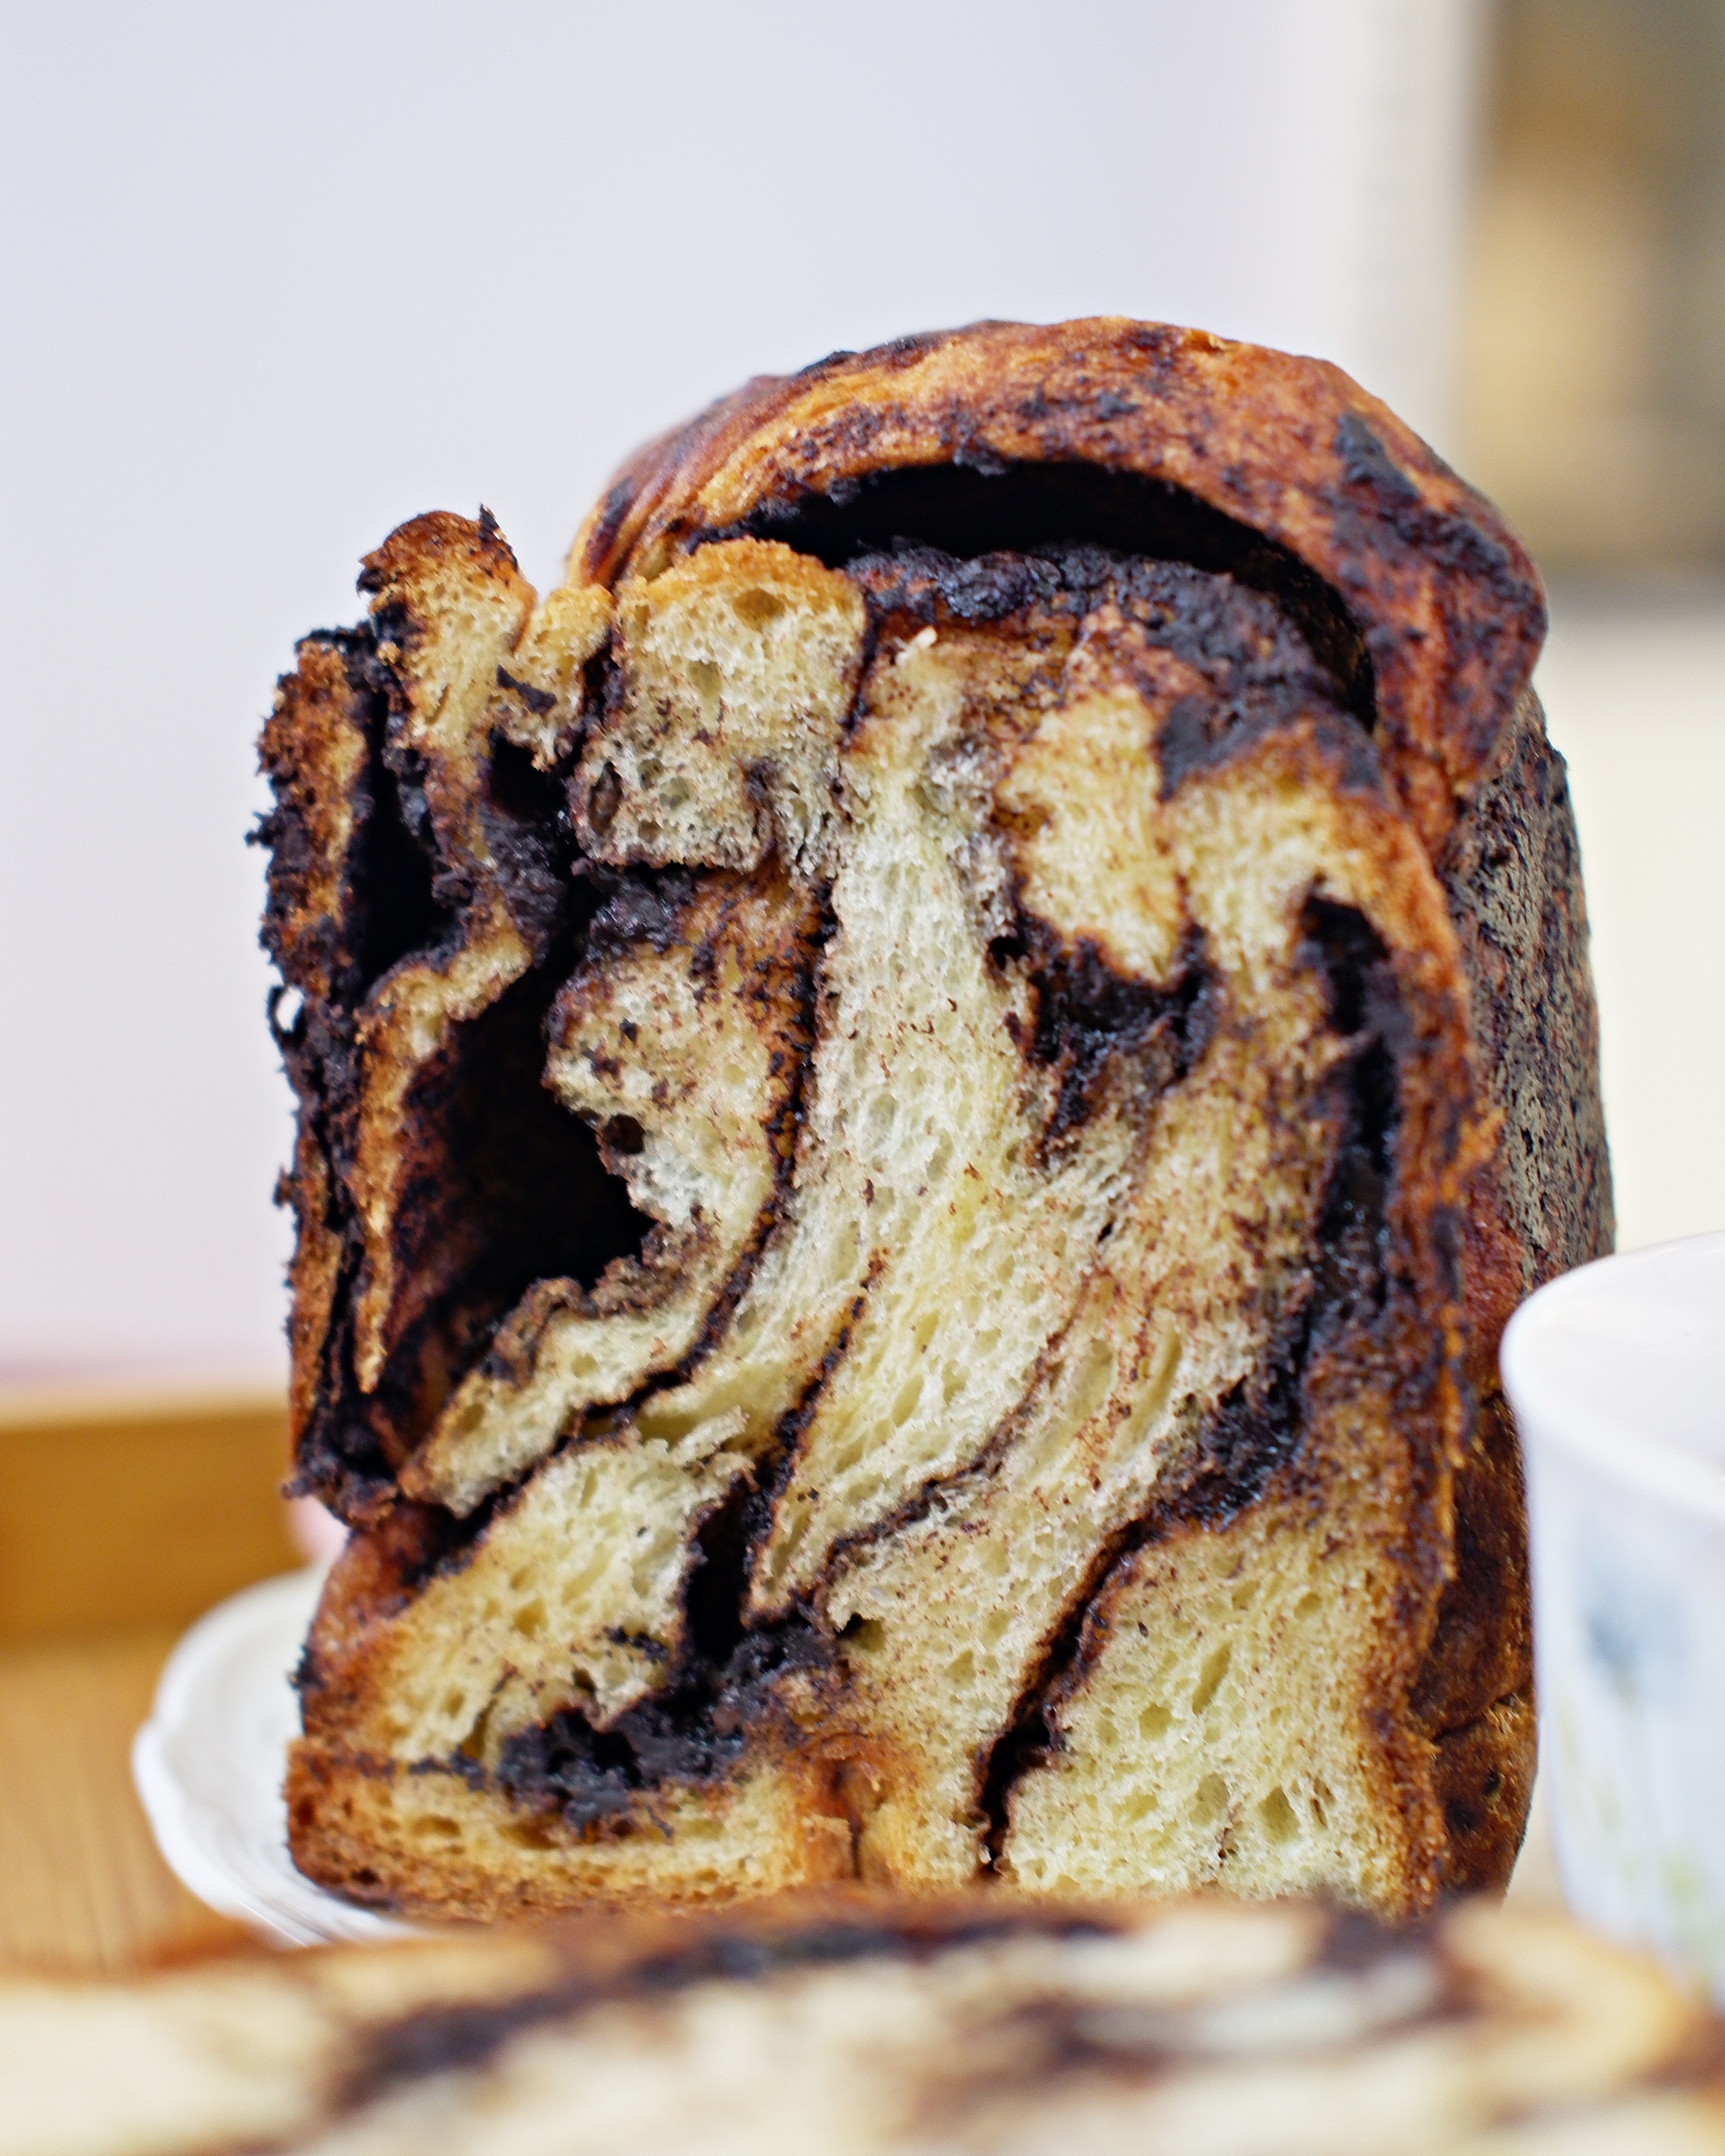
[[208, 1766]]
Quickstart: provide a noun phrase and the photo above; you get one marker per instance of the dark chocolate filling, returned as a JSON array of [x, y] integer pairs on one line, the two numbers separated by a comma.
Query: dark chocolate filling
[[510, 1188], [1088, 1018], [720, 1686], [1056, 509], [696, 1728]]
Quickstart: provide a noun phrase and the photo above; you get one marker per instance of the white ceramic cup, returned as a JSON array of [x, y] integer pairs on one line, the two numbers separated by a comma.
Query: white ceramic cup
[[1617, 1374]]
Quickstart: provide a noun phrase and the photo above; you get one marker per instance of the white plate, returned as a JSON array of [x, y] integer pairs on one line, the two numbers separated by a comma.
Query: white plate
[[209, 1761]]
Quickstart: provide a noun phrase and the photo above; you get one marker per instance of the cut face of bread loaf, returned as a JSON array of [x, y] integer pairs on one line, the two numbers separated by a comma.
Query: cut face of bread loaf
[[863, 2024], [922, 1096]]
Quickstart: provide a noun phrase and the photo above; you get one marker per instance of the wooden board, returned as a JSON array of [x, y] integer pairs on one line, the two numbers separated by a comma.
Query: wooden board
[[82, 1886], [123, 1518], [121, 1511]]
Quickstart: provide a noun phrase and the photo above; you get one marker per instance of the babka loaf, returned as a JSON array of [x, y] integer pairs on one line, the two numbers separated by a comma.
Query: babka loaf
[[921, 1097], [849, 2024]]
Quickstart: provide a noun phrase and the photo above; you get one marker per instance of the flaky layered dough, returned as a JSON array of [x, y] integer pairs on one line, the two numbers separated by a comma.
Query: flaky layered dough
[[922, 1096]]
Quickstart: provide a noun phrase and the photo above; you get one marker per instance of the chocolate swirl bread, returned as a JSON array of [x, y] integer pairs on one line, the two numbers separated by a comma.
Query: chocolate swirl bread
[[854, 2025], [922, 1095]]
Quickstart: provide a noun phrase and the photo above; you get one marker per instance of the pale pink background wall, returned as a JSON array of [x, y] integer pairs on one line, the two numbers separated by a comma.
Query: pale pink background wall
[[276, 278]]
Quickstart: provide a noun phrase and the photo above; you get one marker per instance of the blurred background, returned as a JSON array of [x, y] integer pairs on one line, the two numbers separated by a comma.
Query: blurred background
[[276, 279]]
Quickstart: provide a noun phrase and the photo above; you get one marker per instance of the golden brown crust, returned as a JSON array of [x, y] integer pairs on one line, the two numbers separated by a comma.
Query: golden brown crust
[[1484, 1774], [314, 1276], [314, 750], [1449, 605], [1539, 1202], [1482, 1648]]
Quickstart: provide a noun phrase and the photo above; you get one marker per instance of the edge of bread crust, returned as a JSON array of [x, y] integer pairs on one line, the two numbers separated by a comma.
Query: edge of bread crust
[[1541, 1204]]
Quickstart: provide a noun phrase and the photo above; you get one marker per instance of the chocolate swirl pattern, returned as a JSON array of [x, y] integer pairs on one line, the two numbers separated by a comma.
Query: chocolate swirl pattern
[[911, 1150]]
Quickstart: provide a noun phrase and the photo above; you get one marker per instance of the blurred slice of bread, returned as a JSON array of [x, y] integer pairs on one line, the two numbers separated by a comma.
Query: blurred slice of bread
[[860, 2024]]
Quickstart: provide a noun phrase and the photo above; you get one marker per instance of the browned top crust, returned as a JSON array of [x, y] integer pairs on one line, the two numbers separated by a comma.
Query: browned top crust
[[1449, 604]]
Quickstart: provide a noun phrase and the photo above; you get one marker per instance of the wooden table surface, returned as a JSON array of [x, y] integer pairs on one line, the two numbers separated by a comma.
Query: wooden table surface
[[81, 1884], [123, 1518]]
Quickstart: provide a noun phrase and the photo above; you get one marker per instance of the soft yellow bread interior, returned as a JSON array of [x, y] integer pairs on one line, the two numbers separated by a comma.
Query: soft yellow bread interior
[[1212, 1732], [739, 667], [988, 1089]]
